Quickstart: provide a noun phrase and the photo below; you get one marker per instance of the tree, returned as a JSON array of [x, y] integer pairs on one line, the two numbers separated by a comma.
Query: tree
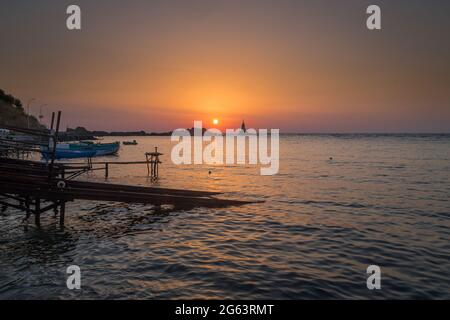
[[18, 104], [9, 99]]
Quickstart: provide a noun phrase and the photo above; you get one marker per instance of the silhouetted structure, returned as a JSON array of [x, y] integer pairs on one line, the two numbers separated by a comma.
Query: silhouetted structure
[[243, 126]]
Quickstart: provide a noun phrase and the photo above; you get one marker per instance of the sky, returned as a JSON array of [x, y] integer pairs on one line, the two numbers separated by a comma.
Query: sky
[[300, 66]]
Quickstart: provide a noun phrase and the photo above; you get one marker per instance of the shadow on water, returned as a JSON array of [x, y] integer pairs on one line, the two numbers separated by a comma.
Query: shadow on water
[[37, 245], [38, 256], [119, 219], [50, 242]]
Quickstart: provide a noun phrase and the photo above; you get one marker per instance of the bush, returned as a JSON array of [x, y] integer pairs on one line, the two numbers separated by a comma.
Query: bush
[[18, 104], [9, 99]]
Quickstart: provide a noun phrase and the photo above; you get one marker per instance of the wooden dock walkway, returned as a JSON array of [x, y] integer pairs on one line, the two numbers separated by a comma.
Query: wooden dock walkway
[[24, 185]]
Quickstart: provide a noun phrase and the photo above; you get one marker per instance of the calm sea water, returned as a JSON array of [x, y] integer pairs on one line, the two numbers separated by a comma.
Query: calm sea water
[[382, 200]]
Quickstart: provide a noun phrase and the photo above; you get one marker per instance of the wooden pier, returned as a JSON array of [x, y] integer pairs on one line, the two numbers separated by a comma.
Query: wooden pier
[[25, 186], [38, 187]]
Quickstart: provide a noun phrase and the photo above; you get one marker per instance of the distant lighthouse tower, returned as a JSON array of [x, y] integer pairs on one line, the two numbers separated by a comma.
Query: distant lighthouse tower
[[243, 126]]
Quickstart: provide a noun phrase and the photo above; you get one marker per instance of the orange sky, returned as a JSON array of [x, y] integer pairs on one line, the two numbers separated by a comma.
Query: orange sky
[[301, 66]]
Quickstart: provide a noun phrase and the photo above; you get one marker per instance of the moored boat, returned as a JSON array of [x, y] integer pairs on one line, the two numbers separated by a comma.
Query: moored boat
[[130, 143], [82, 150]]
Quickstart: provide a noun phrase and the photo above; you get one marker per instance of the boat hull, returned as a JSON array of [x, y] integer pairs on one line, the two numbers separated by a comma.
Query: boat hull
[[82, 150]]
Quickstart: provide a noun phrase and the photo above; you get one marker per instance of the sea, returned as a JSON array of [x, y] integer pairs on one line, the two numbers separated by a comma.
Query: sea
[[339, 204]]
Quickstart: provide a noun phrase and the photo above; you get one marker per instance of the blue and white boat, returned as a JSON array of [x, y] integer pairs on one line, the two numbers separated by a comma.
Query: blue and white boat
[[81, 150]]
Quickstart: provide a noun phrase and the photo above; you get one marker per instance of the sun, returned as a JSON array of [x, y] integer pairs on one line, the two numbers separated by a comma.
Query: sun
[[215, 121]]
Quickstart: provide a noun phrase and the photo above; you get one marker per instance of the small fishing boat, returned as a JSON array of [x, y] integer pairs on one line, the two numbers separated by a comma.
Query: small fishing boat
[[81, 150], [68, 154], [130, 143]]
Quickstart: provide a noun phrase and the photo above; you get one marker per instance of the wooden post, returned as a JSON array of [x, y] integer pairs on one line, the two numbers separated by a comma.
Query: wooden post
[[152, 164], [156, 163], [55, 143], [53, 120], [148, 166], [37, 213], [27, 206], [62, 213]]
